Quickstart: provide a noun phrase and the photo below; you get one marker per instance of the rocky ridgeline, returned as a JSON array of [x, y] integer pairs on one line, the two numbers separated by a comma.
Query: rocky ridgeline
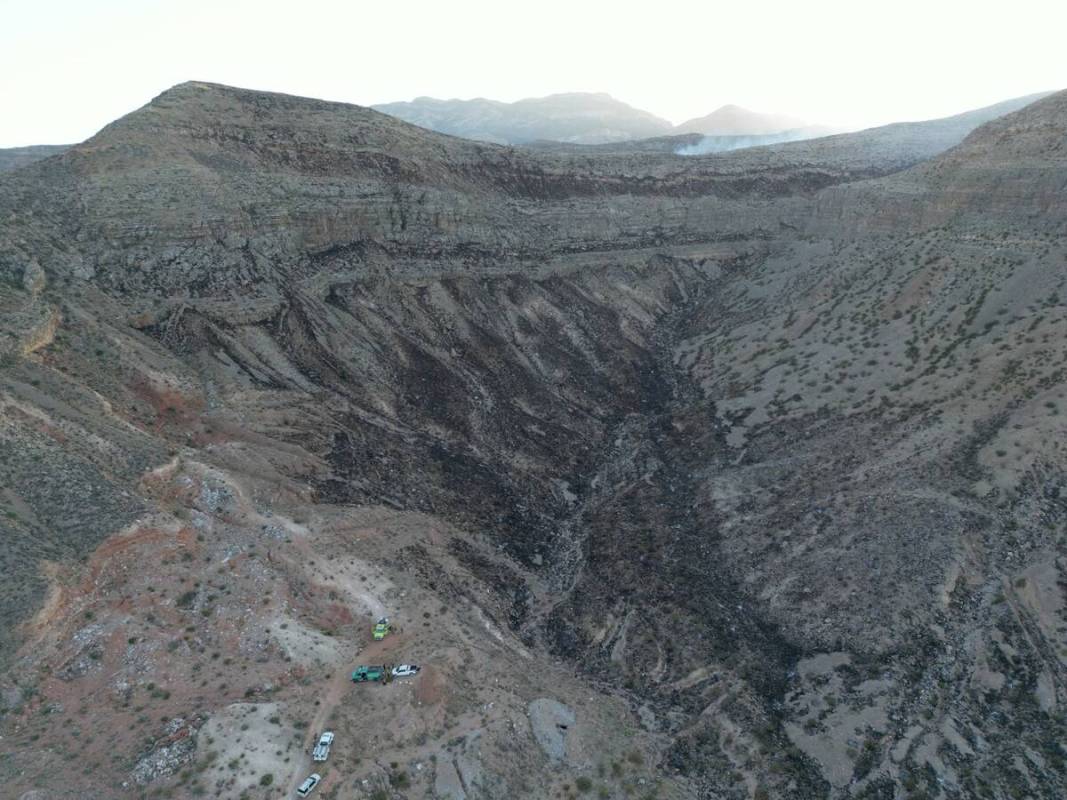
[[207, 189]]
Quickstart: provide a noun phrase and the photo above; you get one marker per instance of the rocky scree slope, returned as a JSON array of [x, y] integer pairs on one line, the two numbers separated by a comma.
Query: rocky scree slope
[[766, 450]]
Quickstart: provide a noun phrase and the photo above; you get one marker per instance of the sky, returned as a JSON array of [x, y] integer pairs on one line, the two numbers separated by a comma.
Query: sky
[[68, 68]]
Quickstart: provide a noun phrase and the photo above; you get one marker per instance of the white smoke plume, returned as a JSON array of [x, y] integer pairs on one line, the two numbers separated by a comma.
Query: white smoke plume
[[722, 144]]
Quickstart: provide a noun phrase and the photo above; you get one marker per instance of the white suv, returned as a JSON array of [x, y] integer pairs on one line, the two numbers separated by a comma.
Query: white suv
[[309, 784]]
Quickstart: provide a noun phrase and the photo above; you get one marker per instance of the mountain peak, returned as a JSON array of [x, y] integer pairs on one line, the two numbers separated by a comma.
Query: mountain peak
[[733, 120]]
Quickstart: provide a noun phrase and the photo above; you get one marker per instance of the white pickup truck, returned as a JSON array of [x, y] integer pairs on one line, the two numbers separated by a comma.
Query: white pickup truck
[[322, 750]]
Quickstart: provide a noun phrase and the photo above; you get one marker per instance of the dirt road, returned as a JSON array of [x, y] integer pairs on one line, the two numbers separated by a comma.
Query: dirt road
[[335, 691]]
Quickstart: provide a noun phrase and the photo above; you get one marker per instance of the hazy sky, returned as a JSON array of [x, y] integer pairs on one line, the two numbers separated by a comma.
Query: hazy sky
[[68, 68]]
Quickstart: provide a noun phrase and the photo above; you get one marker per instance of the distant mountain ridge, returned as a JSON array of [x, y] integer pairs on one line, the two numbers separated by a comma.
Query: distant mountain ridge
[[15, 157], [577, 117], [731, 120], [588, 118], [892, 147]]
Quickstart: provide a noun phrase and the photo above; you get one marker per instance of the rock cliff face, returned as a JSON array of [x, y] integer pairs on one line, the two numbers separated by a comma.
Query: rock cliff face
[[748, 467]]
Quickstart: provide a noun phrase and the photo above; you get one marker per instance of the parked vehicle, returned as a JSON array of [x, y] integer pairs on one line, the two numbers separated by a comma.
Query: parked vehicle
[[309, 783], [381, 628], [322, 749], [361, 674], [406, 670]]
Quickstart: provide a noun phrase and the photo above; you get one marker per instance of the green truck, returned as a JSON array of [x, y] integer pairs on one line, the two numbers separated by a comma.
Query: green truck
[[381, 629], [361, 674]]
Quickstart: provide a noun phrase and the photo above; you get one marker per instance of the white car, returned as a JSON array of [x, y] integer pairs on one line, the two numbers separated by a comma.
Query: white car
[[312, 781], [405, 670], [322, 749]]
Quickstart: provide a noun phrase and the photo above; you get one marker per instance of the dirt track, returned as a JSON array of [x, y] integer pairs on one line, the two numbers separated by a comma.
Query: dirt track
[[335, 692]]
